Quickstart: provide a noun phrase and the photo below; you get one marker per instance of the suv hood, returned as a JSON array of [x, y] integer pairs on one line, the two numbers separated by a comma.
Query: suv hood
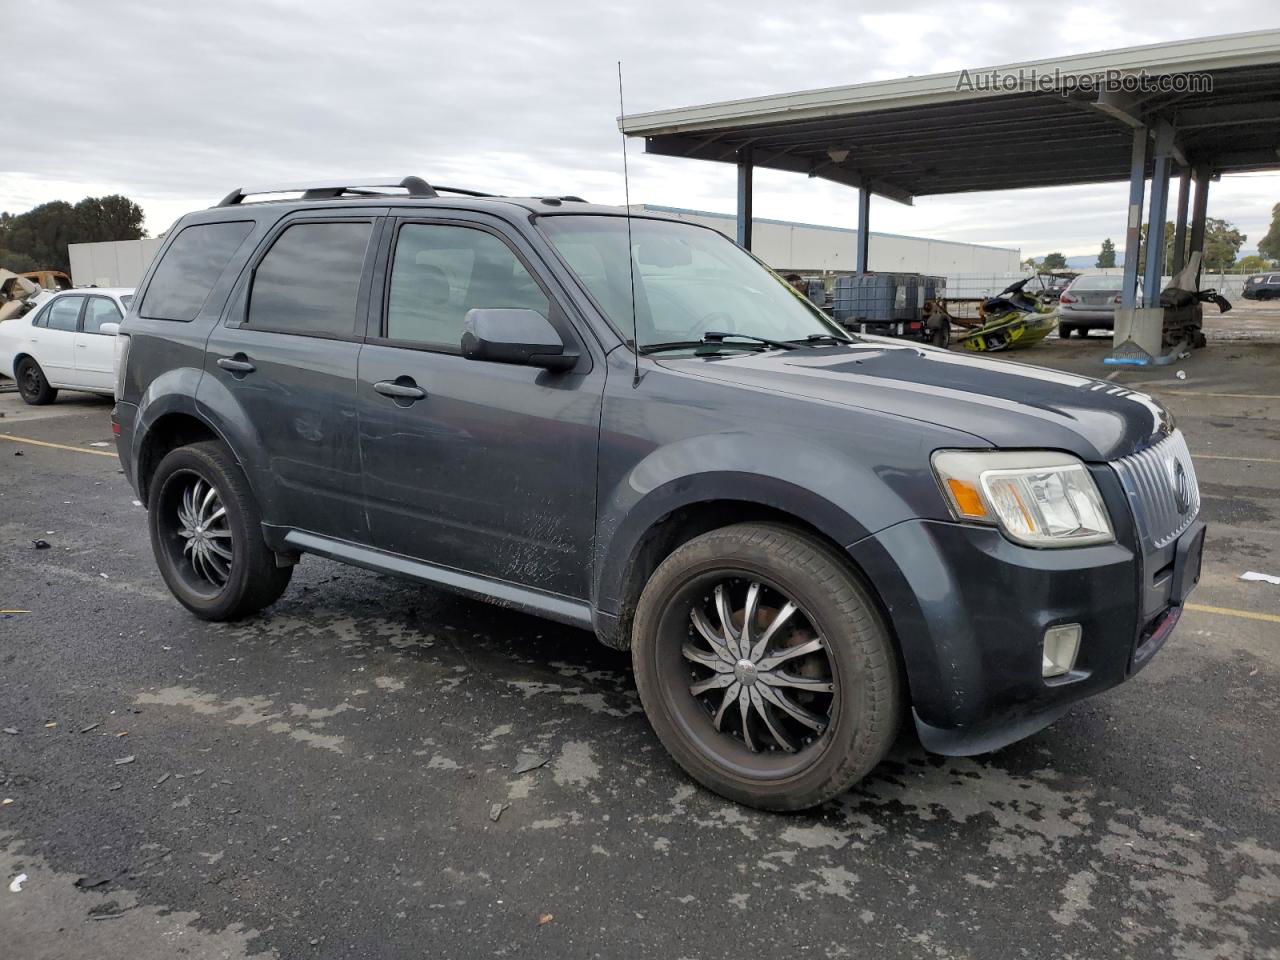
[[1006, 404]]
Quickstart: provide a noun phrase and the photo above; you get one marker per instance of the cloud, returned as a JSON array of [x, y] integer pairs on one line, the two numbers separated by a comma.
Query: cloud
[[175, 104]]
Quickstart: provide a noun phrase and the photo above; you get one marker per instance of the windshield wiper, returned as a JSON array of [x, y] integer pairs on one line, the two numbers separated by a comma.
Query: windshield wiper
[[714, 338], [823, 338]]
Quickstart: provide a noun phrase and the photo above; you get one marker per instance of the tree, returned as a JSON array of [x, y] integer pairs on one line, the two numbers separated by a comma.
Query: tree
[[1222, 241], [1255, 264], [1269, 246], [42, 233], [17, 262], [1054, 261], [1107, 256]]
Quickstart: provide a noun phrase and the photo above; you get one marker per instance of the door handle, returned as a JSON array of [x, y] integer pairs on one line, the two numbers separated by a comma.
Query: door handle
[[401, 390], [238, 364]]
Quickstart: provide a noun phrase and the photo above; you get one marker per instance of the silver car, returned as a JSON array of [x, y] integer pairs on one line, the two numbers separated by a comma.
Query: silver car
[[1090, 303]]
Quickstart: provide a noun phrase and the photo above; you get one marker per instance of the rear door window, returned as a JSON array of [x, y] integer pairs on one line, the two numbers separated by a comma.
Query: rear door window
[[309, 280], [190, 268], [64, 313]]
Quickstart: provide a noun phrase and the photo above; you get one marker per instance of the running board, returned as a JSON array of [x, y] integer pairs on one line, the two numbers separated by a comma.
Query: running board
[[553, 606]]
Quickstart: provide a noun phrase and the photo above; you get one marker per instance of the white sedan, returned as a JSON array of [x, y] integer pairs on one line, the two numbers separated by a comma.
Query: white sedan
[[67, 342]]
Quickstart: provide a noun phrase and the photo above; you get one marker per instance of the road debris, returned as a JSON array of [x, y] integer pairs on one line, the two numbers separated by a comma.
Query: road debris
[[529, 761], [545, 918], [1181, 374], [495, 810], [11, 731], [92, 726], [40, 543], [1260, 577], [84, 883], [123, 760], [15, 886], [161, 780]]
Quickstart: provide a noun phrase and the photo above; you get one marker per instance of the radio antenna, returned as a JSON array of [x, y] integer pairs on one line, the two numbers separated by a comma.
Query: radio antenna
[[631, 263]]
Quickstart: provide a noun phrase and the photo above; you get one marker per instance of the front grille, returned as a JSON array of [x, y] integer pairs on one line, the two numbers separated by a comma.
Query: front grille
[[1164, 503]]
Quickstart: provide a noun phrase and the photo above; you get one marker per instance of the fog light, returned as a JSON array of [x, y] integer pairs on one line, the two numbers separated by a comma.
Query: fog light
[[1061, 644]]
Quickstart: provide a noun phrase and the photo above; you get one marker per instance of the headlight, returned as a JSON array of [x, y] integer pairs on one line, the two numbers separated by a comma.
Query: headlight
[[1040, 498]]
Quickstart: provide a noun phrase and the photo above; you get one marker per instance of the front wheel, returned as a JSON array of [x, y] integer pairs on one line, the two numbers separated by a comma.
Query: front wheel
[[32, 385], [206, 533], [765, 667]]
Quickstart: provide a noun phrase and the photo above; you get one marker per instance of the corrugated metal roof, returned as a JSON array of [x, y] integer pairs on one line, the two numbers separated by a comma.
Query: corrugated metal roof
[[956, 132]]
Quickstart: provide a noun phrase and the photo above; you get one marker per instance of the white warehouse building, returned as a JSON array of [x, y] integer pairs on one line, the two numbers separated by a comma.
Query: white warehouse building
[[807, 248], [784, 245]]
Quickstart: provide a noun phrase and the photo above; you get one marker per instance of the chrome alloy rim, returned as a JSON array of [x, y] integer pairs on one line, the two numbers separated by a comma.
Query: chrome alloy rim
[[206, 534], [759, 667]]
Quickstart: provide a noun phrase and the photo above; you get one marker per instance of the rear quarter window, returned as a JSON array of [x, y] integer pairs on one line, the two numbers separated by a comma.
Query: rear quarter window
[[190, 268]]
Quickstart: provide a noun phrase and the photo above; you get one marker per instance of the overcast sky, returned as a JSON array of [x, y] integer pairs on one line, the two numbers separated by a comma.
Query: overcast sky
[[173, 104]]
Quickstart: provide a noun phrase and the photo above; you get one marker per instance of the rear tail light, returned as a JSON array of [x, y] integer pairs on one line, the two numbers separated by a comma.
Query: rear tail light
[[1066, 298], [121, 361], [915, 326]]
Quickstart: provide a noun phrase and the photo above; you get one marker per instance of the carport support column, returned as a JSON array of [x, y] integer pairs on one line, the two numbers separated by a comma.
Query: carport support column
[[1133, 230], [1180, 223], [745, 169], [1156, 213], [1199, 211], [864, 226]]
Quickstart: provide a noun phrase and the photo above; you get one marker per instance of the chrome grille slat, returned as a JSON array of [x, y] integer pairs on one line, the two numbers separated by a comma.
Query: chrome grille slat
[[1150, 482]]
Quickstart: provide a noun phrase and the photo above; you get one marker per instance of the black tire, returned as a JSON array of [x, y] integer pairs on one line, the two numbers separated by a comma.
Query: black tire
[[1064, 331], [941, 337], [252, 578], [863, 711], [32, 385]]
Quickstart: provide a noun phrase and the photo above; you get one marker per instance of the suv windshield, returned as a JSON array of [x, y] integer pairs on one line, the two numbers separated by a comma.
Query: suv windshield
[[689, 281]]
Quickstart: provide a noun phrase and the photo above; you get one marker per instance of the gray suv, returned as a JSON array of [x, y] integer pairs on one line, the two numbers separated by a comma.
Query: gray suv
[[630, 425]]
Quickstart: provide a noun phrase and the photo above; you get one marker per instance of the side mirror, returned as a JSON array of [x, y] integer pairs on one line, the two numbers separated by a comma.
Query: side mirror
[[109, 329], [523, 337]]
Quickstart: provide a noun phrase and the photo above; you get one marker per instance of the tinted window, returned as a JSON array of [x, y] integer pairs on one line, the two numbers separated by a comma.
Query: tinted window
[[308, 281], [64, 313], [99, 311], [439, 273], [190, 267]]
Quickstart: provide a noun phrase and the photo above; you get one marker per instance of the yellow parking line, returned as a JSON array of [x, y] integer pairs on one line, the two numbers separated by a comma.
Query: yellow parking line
[[1231, 396], [1230, 612], [56, 446], [1219, 456]]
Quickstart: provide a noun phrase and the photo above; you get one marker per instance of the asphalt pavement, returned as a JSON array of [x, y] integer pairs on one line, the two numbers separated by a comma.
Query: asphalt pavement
[[372, 768]]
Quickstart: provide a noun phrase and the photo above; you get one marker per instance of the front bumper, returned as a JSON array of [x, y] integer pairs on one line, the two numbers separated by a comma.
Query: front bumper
[[970, 609]]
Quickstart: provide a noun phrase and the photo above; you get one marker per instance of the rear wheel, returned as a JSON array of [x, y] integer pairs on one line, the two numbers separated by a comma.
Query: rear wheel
[[206, 533], [32, 385], [1064, 331], [765, 668]]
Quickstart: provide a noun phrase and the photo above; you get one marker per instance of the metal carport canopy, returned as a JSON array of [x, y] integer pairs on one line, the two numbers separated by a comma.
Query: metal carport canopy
[[958, 132]]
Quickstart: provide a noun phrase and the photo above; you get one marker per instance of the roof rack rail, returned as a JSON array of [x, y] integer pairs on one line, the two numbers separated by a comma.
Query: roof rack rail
[[327, 190]]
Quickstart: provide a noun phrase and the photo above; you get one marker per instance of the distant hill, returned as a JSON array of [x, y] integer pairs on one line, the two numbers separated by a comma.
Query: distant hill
[[1090, 259]]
